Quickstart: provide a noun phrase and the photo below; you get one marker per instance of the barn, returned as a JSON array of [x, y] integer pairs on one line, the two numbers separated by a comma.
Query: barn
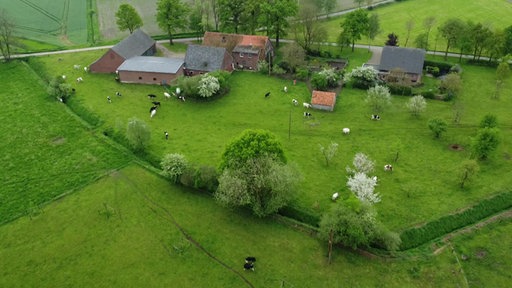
[[323, 100], [150, 70], [137, 44]]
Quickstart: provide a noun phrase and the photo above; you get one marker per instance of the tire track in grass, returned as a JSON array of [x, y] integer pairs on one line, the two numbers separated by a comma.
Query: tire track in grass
[[42, 11], [167, 215]]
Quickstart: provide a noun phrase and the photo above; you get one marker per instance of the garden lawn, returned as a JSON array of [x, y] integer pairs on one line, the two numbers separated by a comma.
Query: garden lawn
[[393, 18], [422, 187], [120, 232], [45, 150]]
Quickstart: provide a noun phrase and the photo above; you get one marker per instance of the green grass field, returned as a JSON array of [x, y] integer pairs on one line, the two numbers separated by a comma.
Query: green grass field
[[45, 151], [393, 18], [59, 22], [120, 232], [200, 131]]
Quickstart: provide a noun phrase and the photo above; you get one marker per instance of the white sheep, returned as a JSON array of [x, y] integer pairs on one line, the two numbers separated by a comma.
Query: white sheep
[[76, 66], [295, 102], [86, 69], [167, 95], [335, 196], [285, 89], [346, 130], [79, 79], [306, 105], [63, 77]]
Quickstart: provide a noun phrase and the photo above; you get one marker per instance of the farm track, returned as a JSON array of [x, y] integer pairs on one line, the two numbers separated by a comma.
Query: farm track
[[163, 212]]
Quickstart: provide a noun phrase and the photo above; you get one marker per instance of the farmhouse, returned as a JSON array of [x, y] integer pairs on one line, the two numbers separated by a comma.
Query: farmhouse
[[150, 70], [246, 50], [137, 44], [323, 100], [408, 61], [203, 59]]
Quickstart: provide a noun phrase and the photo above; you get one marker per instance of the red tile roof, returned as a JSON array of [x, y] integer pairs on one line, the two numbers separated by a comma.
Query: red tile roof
[[217, 39], [323, 98]]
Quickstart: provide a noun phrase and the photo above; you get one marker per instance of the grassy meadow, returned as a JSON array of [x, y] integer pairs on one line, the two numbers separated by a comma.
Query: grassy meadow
[[121, 232], [393, 18], [200, 131], [45, 150]]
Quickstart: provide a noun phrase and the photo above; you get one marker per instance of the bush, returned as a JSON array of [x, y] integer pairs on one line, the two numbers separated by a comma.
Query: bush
[[276, 70], [397, 89], [262, 67], [444, 68], [428, 94], [189, 85], [433, 70], [300, 215], [416, 236], [285, 65], [302, 73], [206, 178]]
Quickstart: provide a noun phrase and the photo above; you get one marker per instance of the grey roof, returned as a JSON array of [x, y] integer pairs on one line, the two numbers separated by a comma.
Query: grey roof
[[246, 49], [204, 58], [152, 64], [408, 59], [134, 45]]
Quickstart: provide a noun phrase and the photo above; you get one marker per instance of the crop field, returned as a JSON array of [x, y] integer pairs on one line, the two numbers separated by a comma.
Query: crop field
[[200, 131], [393, 18], [45, 151], [59, 22]]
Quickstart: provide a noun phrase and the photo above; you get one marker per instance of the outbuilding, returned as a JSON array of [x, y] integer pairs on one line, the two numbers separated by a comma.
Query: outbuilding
[[150, 70], [323, 100]]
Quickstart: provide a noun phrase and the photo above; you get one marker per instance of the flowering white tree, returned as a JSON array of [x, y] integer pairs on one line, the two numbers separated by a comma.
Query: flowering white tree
[[174, 165], [378, 97], [208, 86], [364, 187], [362, 164], [416, 105], [363, 77]]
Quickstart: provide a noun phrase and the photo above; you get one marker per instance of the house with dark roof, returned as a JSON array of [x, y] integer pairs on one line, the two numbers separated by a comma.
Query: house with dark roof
[[405, 60], [203, 59], [323, 100], [150, 70], [246, 50], [137, 44]]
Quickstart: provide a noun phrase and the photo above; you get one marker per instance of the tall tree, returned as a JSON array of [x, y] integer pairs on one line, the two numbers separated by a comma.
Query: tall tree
[[451, 30], [508, 40], [307, 28], [127, 18], [276, 14], [171, 16], [409, 25], [428, 24], [7, 40], [373, 28], [252, 16], [231, 14], [355, 25], [138, 134], [392, 40], [478, 37], [214, 4]]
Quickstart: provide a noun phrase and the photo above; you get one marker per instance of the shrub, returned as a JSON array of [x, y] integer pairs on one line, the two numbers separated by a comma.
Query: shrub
[[300, 215], [276, 70], [262, 67], [208, 86], [206, 177], [173, 166], [302, 73], [433, 70], [428, 94], [362, 77], [398, 89], [444, 68], [189, 85]]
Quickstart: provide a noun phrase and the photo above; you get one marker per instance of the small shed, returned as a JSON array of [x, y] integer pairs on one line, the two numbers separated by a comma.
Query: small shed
[[323, 100], [150, 70]]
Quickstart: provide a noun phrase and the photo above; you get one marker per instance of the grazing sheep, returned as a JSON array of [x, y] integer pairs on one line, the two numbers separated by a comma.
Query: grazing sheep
[[285, 89], [167, 95], [76, 66], [295, 102], [86, 69], [335, 196], [375, 117], [388, 167], [346, 130], [306, 105], [63, 77], [178, 90], [79, 79]]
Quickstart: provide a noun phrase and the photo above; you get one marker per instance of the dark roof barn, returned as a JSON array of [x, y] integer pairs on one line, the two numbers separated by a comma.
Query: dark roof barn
[[207, 59], [410, 60]]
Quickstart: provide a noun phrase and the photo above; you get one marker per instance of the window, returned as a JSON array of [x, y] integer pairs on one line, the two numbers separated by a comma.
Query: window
[[154, 79], [241, 55], [140, 78]]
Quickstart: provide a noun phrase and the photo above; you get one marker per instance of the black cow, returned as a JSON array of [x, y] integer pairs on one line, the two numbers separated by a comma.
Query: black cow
[[249, 266], [151, 96], [250, 259], [152, 108], [375, 117], [156, 103], [118, 93], [267, 94], [307, 114]]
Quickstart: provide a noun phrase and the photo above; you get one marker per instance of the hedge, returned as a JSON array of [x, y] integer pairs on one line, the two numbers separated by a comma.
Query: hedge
[[416, 236], [444, 68], [300, 215]]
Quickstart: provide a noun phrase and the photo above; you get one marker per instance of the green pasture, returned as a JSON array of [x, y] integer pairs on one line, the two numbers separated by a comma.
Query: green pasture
[[393, 18], [121, 232], [58, 22], [45, 150], [422, 187]]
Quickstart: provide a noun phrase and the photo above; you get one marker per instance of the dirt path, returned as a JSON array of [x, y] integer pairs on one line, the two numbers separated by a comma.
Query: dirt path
[[167, 53]]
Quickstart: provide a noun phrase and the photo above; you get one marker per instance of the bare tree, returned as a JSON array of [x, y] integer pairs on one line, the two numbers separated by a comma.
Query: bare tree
[[6, 35], [428, 24], [409, 25]]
